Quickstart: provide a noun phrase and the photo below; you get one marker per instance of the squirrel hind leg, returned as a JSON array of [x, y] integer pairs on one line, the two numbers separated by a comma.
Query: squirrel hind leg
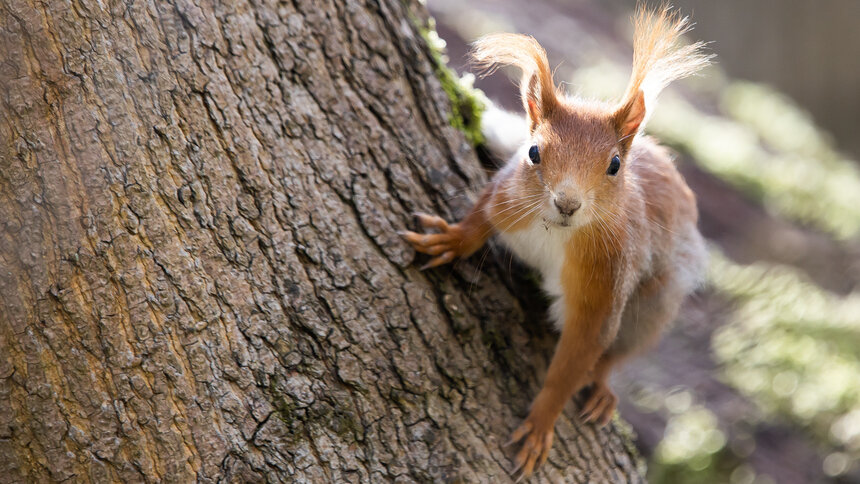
[[601, 401]]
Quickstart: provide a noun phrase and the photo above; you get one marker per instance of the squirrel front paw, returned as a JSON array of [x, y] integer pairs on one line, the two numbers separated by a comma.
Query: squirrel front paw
[[451, 241], [536, 446]]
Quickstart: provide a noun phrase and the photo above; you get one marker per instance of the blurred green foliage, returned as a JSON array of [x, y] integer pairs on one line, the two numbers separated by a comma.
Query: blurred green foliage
[[792, 347]]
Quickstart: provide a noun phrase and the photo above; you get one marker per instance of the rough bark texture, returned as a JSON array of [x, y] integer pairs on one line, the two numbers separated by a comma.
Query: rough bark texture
[[199, 267]]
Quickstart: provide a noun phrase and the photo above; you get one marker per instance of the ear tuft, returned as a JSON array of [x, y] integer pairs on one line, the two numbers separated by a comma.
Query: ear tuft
[[659, 57], [536, 87]]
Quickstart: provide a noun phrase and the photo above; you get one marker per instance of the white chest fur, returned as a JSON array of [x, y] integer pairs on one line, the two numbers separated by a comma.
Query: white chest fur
[[543, 249]]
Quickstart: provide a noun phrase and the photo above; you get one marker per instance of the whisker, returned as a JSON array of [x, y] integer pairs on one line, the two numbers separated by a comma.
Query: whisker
[[510, 201], [625, 137], [531, 210], [530, 206], [478, 270], [527, 203], [609, 227]]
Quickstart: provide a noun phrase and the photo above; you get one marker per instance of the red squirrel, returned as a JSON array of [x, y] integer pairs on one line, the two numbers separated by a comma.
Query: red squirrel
[[600, 210]]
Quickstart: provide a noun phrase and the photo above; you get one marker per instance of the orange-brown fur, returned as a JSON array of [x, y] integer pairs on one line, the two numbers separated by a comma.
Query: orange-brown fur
[[627, 254]]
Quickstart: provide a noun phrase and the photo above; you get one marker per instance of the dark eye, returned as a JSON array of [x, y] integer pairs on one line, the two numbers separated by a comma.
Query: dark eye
[[534, 154], [614, 165]]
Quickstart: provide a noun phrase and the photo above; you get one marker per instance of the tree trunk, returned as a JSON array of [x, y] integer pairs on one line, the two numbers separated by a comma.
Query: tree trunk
[[199, 267]]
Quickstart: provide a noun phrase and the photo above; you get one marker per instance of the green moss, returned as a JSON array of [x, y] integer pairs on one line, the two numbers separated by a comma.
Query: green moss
[[344, 423], [467, 102], [493, 340], [338, 418], [628, 439], [285, 408]]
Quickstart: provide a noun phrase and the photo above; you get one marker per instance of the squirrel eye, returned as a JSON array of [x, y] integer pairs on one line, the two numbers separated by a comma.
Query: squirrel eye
[[614, 165], [534, 154]]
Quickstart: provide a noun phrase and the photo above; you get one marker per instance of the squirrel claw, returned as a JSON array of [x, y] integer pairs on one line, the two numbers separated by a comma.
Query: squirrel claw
[[519, 433], [438, 261], [432, 221], [445, 246], [600, 406], [535, 449]]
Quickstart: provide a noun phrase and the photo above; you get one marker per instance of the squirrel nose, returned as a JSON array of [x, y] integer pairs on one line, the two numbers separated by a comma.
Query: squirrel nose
[[566, 205]]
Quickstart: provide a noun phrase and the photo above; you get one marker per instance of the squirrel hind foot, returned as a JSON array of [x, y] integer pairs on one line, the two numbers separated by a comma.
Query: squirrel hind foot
[[600, 405]]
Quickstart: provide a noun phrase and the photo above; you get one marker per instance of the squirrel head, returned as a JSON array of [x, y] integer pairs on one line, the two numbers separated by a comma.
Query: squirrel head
[[576, 157]]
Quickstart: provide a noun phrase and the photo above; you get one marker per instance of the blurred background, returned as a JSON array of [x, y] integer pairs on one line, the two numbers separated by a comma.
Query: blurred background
[[759, 382]]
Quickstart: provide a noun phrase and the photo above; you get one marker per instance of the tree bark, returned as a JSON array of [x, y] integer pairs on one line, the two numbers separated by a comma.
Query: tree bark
[[199, 267]]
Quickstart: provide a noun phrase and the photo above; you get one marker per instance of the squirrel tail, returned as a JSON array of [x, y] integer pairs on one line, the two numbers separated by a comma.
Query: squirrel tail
[[659, 57], [504, 132]]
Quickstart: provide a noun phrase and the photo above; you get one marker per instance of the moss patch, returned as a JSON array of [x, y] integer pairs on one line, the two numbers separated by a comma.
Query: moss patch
[[467, 102]]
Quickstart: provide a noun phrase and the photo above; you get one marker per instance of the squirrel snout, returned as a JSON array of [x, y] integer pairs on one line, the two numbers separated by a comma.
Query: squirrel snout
[[566, 204]]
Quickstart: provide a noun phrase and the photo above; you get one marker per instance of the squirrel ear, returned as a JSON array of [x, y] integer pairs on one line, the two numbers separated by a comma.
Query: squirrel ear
[[538, 104], [629, 117], [536, 86]]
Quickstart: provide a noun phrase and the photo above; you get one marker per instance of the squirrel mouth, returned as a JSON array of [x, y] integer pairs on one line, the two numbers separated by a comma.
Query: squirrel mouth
[[564, 223]]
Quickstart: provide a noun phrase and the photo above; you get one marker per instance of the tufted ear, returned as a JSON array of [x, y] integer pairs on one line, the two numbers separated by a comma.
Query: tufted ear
[[629, 117], [536, 87], [659, 57]]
